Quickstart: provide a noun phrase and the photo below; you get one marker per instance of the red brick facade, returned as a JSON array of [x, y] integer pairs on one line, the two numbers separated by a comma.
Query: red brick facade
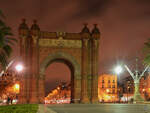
[[79, 51]]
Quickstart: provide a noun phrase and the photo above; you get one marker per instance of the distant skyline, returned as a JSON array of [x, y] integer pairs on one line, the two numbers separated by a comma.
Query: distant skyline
[[124, 25]]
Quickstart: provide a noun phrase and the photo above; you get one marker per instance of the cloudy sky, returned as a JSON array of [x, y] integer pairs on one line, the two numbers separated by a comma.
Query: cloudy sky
[[124, 26]]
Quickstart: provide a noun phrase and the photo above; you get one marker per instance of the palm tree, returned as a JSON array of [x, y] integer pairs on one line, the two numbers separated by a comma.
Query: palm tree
[[146, 50], [6, 40]]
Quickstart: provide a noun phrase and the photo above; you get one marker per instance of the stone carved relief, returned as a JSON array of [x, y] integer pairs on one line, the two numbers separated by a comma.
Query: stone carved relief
[[61, 34], [48, 34], [60, 43]]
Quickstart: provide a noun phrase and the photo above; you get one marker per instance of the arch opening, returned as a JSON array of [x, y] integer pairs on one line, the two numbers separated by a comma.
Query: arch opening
[[63, 91], [75, 72]]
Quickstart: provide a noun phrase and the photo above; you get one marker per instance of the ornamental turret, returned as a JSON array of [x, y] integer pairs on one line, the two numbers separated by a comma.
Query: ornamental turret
[[35, 28], [23, 28], [85, 31], [95, 32]]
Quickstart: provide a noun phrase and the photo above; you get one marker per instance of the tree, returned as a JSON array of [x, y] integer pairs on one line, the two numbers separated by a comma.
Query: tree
[[146, 50], [6, 40]]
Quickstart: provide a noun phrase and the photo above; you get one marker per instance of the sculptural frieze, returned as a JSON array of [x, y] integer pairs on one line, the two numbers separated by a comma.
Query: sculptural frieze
[[60, 42]]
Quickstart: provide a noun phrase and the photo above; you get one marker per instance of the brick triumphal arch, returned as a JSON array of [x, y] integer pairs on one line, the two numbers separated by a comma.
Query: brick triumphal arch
[[79, 51]]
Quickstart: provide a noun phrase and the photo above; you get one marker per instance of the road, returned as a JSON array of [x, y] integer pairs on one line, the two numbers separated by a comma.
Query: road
[[100, 108]]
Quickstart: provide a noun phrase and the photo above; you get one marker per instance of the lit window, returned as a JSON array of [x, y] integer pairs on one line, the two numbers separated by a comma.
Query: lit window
[[113, 91], [113, 81]]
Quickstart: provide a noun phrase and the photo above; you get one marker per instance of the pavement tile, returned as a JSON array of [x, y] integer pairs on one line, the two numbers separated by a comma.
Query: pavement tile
[[45, 109]]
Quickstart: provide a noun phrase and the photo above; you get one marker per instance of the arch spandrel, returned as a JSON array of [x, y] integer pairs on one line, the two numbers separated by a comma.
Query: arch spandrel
[[60, 55], [45, 51]]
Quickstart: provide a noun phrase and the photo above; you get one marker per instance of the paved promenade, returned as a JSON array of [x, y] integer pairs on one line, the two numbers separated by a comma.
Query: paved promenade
[[95, 108]]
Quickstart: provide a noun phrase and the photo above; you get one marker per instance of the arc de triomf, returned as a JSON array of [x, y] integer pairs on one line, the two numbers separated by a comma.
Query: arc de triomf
[[79, 51]]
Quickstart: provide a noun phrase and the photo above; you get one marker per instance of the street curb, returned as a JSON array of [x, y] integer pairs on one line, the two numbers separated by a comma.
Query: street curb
[[45, 109]]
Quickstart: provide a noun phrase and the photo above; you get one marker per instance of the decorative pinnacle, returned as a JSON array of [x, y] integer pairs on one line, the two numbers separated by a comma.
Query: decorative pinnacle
[[23, 25], [85, 28], [95, 25], [95, 29], [34, 21], [34, 25], [23, 20], [85, 24]]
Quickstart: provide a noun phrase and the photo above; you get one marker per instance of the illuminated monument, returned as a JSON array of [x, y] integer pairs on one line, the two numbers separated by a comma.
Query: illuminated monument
[[79, 51]]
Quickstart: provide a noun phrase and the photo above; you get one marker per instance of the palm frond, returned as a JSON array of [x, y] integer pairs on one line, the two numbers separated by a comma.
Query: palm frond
[[3, 60], [1, 14], [11, 39], [6, 30], [5, 41], [9, 42], [147, 60], [7, 49], [146, 51], [1, 41], [2, 23]]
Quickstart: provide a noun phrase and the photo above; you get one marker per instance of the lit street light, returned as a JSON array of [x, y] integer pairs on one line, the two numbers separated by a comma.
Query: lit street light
[[118, 70], [19, 67], [16, 88]]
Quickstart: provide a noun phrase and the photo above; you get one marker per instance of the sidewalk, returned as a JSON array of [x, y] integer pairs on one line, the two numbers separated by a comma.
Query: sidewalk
[[44, 109]]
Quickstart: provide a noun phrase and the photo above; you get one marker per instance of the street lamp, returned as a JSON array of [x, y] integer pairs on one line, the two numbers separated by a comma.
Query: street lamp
[[118, 69], [19, 67], [136, 77], [16, 88]]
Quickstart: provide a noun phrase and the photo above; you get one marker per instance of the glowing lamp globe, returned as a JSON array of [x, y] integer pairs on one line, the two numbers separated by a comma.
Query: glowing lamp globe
[[19, 67], [118, 69], [17, 86]]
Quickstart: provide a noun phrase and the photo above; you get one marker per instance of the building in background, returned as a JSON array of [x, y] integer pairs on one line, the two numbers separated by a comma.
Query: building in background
[[145, 87], [9, 86], [126, 88], [60, 95], [107, 88]]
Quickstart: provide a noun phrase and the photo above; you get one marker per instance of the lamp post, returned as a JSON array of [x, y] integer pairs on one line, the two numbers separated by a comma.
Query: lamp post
[[136, 78], [128, 94], [19, 68], [118, 69]]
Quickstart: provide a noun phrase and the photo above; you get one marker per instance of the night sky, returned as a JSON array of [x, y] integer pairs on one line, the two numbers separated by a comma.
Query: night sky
[[124, 26]]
